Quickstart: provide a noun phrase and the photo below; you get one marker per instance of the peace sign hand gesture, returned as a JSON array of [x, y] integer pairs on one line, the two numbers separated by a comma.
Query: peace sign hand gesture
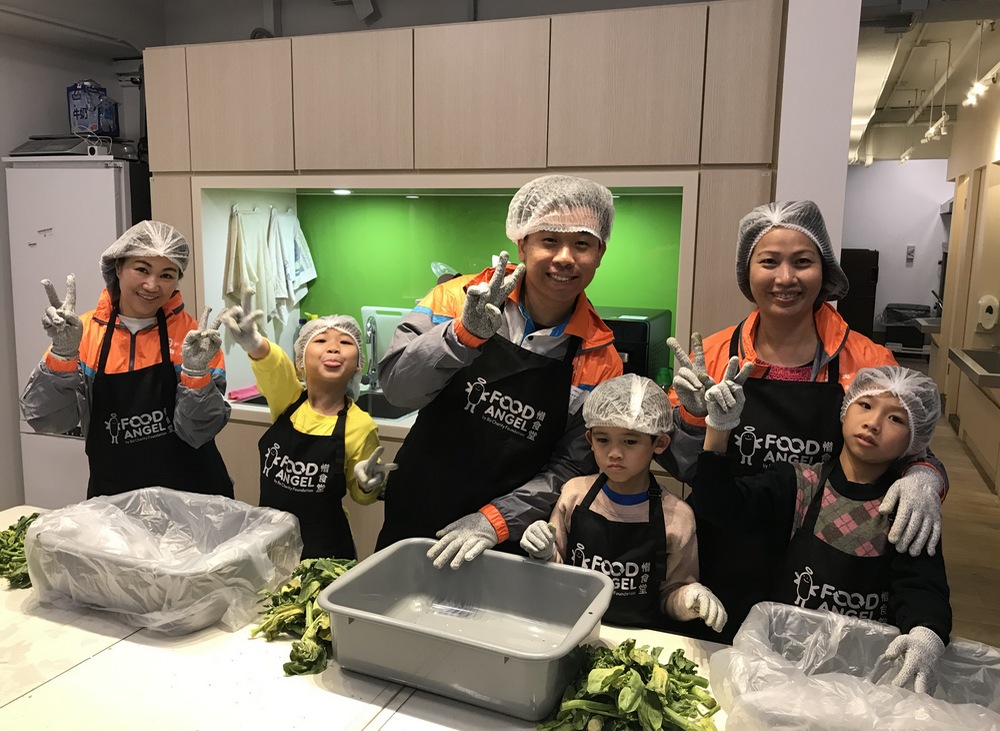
[[481, 313], [241, 322], [200, 346], [61, 322], [691, 380], [725, 400]]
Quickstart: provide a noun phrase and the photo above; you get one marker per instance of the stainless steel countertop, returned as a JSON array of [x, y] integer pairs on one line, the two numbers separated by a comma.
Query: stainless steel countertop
[[977, 373]]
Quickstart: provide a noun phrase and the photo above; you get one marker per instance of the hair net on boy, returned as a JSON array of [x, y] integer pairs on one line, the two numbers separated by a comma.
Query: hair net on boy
[[802, 216], [561, 203], [916, 392], [146, 238], [629, 402], [343, 323]]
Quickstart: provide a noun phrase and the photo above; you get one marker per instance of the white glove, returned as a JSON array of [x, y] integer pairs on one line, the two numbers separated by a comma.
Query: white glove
[[462, 541], [371, 473], [916, 499], [920, 649], [539, 540], [61, 322], [691, 380], [700, 599], [241, 322], [200, 346], [481, 312], [725, 400]]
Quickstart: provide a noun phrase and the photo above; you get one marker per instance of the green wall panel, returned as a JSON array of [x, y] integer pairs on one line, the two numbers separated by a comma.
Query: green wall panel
[[378, 249]]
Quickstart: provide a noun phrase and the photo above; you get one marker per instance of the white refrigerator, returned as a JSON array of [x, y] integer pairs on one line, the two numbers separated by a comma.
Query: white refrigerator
[[63, 212]]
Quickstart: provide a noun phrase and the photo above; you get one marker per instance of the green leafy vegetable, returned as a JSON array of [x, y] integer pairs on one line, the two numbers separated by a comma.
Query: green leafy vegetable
[[12, 563], [627, 688], [292, 610]]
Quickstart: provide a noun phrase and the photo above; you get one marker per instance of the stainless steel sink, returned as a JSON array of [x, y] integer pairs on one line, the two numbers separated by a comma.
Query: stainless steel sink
[[378, 406], [929, 324], [982, 366]]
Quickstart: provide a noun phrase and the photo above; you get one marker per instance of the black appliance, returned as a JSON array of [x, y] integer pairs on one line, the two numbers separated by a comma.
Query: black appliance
[[641, 339], [858, 307]]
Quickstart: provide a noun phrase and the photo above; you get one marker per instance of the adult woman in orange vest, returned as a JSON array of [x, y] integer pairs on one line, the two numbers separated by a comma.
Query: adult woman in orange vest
[[143, 379]]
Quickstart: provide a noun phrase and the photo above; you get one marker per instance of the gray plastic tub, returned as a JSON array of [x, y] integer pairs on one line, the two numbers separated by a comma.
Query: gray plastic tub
[[500, 632]]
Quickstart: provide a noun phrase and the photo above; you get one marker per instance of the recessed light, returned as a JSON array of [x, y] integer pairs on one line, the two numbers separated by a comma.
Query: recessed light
[[413, 197], [341, 191]]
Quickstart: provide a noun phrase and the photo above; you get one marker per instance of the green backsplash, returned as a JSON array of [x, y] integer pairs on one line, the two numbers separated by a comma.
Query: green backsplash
[[378, 249]]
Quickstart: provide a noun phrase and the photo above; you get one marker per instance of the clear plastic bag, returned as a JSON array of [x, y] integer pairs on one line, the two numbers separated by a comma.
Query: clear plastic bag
[[802, 669], [163, 559]]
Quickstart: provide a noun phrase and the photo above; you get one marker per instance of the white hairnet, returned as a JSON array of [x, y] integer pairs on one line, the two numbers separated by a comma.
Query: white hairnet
[[802, 216], [916, 392], [561, 203], [342, 323], [629, 402], [146, 238]]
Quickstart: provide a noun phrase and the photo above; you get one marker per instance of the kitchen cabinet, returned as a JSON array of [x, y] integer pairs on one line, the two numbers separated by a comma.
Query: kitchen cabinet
[[978, 416], [627, 87], [170, 196], [353, 100], [741, 81], [480, 94], [165, 72], [240, 105], [724, 197]]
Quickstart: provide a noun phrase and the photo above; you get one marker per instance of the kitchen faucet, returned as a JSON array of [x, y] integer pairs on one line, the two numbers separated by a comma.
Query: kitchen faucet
[[371, 335]]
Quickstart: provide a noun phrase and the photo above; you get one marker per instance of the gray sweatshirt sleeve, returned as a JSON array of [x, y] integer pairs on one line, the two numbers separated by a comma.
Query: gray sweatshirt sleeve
[[54, 402], [200, 413], [686, 442]]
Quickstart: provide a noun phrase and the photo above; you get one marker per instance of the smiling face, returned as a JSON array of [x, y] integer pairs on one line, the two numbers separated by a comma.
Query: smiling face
[[558, 267], [331, 358], [786, 274], [876, 430], [624, 456], [146, 283]]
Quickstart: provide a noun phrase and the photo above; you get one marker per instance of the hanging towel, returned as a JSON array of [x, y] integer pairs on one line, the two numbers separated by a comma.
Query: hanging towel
[[283, 287], [299, 266], [248, 262]]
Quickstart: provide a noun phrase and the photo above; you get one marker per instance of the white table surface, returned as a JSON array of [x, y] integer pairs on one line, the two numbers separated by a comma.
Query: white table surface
[[82, 669]]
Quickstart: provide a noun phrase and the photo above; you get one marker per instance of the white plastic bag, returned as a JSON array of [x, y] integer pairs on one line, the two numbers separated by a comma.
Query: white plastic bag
[[802, 669], [163, 559]]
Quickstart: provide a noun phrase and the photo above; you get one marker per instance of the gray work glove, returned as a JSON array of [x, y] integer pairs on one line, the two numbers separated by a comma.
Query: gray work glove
[[539, 540], [61, 322], [462, 541], [241, 322], [700, 599], [725, 400], [691, 380], [371, 473], [916, 499], [200, 346], [481, 314], [920, 649]]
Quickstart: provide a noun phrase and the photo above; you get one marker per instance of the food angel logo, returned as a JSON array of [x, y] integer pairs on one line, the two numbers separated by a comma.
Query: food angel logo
[[114, 427], [476, 392], [804, 586], [270, 459]]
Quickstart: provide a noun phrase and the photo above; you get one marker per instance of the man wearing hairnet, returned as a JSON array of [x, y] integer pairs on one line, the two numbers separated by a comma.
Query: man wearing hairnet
[[499, 364], [833, 551], [804, 356], [320, 446], [143, 379]]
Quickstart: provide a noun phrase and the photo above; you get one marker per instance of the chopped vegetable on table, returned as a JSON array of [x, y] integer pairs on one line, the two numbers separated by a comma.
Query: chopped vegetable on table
[[12, 563], [292, 610], [628, 688]]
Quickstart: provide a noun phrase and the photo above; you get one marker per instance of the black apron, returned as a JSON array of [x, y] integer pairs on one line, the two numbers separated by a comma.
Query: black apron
[[632, 555], [489, 431], [130, 439], [815, 575], [782, 421], [303, 474]]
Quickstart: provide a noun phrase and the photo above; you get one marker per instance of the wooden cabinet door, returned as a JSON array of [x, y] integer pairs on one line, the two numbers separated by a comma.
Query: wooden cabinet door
[[353, 100], [170, 196], [165, 80], [627, 87], [240, 99], [741, 81], [480, 94], [724, 197]]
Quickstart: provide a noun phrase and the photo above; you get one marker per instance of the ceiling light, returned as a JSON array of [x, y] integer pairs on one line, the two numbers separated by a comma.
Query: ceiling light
[[341, 191], [906, 155], [413, 197]]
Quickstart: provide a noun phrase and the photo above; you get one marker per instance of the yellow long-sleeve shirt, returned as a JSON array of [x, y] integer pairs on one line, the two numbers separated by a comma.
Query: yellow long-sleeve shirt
[[279, 384]]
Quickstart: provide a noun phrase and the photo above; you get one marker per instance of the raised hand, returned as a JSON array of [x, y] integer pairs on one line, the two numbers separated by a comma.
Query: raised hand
[[725, 400], [241, 322], [60, 320], [200, 346], [481, 314], [371, 473], [691, 380]]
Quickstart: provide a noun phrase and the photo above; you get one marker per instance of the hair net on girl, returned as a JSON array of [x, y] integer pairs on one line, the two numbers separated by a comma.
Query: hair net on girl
[[802, 216], [561, 203], [146, 238], [916, 392], [629, 402]]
